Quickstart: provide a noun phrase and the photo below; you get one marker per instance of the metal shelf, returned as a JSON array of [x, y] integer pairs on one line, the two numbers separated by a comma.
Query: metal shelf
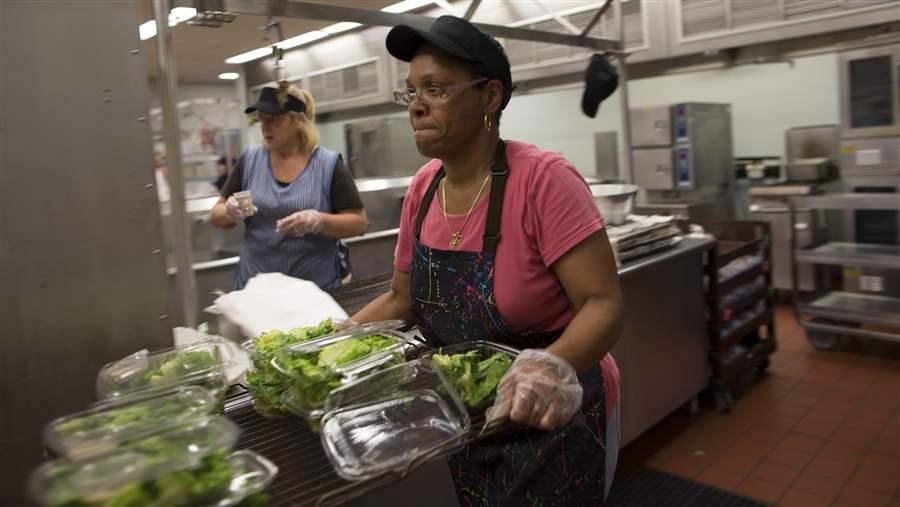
[[745, 302], [852, 254], [855, 307], [731, 250], [848, 201], [748, 275], [732, 337]]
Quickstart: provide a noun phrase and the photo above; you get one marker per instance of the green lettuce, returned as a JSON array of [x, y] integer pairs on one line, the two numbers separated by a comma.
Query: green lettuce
[[167, 370], [475, 379], [314, 375], [147, 414], [265, 383], [346, 351], [203, 485]]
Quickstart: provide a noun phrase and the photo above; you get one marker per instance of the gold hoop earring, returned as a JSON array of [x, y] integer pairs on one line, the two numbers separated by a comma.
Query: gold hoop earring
[[487, 122]]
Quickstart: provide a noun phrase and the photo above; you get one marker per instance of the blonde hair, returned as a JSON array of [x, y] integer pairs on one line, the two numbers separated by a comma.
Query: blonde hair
[[306, 128]]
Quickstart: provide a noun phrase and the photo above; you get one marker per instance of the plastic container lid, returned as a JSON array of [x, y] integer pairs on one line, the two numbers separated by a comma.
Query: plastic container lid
[[249, 473], [346, 359], [399, 342], [100, 429], [148, 458], [215, 383], [164, 368], [421, 416], [379, 325]]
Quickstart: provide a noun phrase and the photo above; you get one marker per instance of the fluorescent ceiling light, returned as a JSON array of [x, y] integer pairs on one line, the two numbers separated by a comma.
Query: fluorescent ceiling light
[[406, 6], [181, 14], [250, 55], [147, 30], [231, 76], [303, 38], [306, 38], [177, 15], [263, 52], [341, 27]]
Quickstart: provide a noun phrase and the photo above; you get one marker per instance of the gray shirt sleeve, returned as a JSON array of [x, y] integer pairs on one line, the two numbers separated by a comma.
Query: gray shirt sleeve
[[344, 194], [235, 179]]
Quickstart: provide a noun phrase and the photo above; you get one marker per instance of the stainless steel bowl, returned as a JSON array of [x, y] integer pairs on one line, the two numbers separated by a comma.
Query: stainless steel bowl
[[616, 202]]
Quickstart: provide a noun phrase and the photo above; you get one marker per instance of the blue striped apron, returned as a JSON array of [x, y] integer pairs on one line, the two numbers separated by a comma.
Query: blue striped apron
[[313, 257]]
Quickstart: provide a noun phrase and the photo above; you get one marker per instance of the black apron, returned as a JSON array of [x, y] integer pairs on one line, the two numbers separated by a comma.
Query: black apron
[[452, 300]]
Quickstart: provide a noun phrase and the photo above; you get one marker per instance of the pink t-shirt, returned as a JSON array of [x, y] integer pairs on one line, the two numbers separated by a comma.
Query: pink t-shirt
[[547, 210]]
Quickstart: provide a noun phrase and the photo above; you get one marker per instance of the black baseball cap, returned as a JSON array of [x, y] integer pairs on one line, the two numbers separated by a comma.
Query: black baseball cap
[[600, 81], [268, 103], [459, 38]]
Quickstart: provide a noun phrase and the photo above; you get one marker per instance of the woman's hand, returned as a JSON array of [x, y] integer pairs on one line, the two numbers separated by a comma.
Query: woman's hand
[[540, 390], [308, 221], [235, 213]]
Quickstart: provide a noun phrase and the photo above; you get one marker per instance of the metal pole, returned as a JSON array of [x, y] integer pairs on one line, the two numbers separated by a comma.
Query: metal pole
[[471, 10], [185, 281], [241, 89], [623, 93]]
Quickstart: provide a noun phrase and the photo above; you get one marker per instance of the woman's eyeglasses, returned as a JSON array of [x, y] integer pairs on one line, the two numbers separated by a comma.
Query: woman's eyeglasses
[[433, 94]]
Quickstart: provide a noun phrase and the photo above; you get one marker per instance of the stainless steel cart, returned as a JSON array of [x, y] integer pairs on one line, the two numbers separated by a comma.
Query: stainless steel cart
[[837, 309]]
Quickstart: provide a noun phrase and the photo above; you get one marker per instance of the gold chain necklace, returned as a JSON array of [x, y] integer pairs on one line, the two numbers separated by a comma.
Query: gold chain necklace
[[456, 237]]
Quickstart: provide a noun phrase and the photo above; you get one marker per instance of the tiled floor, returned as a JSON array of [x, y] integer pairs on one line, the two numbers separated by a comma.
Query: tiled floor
[[820, 429]]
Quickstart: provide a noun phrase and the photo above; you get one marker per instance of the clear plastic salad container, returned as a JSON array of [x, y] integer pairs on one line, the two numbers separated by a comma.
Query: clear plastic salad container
[[265, 383], [147, 371], [474, 369], [391, 421], [184, 465], [221, 480], [105, 427], [377, 326], [316, 368], [215, 382]]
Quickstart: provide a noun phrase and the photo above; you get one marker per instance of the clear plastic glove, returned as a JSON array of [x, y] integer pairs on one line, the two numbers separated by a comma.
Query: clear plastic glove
[[308, 221], [235, 212], [539, 390]]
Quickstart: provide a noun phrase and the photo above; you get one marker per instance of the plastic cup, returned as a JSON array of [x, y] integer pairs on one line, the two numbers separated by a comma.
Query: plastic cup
[[245, 202]]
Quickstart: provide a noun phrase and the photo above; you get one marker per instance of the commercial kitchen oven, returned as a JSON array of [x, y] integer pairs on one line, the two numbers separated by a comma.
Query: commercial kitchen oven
[[870, 105], [870, 154], [682, 155]]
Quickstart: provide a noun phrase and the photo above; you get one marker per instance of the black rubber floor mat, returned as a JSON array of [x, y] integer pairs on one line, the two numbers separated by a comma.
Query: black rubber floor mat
[[651, 488]]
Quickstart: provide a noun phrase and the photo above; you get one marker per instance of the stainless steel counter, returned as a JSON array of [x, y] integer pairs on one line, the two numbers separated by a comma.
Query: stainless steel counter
[[662, 353]]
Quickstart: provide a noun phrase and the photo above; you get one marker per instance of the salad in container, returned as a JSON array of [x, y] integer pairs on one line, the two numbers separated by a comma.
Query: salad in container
[[265, 383], [191, 465], [145, 373], [316, 368], [105, 427]]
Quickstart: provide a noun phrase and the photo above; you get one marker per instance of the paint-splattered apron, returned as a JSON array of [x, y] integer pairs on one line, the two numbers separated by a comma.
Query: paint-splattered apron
[[453, 301]]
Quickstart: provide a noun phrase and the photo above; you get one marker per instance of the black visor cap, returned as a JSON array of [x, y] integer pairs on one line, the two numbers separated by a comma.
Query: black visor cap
[[460, 39], [268, 103]]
